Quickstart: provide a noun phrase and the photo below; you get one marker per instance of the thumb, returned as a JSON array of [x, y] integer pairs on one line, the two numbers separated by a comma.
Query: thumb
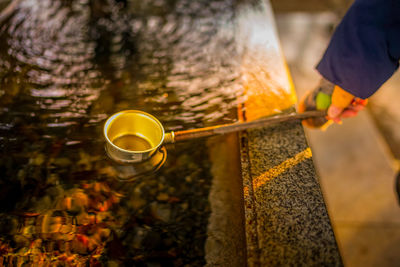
[[334, 114], [341, 99], [334, 111]]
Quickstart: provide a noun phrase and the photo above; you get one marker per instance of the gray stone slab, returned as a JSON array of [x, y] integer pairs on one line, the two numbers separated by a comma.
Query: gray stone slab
[[286, 219]]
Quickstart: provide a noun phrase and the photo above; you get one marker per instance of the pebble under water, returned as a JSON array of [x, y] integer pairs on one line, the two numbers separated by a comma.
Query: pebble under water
[[65, 66]]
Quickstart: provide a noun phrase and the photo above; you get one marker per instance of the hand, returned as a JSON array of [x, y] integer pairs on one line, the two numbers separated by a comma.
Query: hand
[[337, 102], [344, 105]]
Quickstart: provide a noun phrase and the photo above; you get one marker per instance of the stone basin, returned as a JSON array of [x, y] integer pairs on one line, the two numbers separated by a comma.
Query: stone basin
[[243, 199]]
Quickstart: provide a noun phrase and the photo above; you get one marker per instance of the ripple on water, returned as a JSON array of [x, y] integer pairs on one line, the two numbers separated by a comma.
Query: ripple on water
[[65, 66], [69, 60]]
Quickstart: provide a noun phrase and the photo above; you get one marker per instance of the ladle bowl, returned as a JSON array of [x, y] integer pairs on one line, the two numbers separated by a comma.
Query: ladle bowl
[[133, 136]]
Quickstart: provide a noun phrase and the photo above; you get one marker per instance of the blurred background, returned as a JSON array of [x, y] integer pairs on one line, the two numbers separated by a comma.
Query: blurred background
[[357, 162]]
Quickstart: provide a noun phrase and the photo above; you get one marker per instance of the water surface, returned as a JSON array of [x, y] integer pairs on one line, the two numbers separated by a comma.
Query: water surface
[[65, 66]]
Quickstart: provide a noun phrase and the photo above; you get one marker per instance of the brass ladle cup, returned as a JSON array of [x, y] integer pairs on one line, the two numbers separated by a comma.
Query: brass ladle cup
[[134, 136]]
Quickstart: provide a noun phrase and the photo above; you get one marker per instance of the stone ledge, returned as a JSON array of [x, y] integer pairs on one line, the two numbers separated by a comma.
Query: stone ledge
[[286, 218], [286, 221]]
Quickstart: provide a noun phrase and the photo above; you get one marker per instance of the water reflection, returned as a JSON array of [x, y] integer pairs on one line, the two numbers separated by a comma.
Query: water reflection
[[64, 67], [60, 54]]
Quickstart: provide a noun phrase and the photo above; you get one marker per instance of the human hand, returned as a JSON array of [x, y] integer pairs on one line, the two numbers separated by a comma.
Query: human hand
[[344, 105], [337, 102]]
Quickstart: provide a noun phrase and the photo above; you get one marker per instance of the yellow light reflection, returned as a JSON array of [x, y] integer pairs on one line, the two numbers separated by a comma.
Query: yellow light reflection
[[277, 170]]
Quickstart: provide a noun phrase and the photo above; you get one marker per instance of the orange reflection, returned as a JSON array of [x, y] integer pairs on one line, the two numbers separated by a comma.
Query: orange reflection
[[277, 170], [265, 96], [266, 81]]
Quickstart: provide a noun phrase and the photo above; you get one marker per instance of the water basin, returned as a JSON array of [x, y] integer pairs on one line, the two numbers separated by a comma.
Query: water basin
[[65, 66]]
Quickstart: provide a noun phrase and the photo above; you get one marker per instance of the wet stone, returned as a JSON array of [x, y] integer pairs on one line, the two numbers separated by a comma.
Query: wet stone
[[54, 191], [184, 206], [160, 211], [137, 201], [140, 234], [21, 240], [57, 102], [62, 162], [152, 240], [113, 264], [37, 160], [162, 197]]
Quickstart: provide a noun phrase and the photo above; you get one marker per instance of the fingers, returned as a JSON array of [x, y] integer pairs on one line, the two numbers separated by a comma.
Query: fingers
[[336, 101], [348, 113], [359, 104], [336, 113], [357, 107], [359, 101]]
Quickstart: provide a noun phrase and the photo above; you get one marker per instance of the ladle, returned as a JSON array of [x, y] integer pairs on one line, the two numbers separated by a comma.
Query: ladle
[[134, 136]]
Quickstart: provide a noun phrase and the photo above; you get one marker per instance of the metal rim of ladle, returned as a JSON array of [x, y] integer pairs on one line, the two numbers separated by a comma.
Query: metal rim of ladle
[[132, 156]]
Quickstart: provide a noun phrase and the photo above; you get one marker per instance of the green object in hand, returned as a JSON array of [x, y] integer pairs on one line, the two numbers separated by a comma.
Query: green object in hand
[[323, 101]]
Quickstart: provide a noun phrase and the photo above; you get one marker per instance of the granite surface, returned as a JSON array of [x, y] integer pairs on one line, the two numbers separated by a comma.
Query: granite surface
[[286, 219]]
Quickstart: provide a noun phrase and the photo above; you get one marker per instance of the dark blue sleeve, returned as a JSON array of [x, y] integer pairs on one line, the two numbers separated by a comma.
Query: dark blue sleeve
[[365, 49]]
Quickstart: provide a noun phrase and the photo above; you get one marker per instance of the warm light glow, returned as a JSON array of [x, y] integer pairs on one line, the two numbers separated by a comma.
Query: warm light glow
[[265, 78], [277, 170]]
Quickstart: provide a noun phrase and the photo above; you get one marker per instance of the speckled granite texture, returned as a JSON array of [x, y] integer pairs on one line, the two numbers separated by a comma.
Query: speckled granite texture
[[286, 219]]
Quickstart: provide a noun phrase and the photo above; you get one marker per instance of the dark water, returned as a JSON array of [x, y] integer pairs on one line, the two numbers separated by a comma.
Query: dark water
[[65, 66]]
